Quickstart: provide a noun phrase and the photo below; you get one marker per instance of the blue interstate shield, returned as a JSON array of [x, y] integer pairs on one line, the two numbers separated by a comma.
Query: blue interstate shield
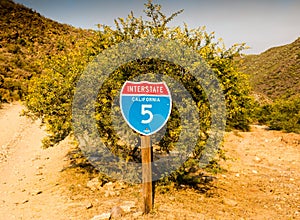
[[145, 106]]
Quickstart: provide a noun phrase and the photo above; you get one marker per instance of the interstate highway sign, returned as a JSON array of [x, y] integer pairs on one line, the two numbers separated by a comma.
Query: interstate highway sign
[[145, 106]]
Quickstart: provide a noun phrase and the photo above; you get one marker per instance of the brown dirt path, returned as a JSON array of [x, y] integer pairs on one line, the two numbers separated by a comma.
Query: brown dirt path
[[28, 181], [264, 176]]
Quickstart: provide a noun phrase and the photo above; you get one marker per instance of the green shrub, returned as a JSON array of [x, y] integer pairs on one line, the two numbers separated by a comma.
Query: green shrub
[[50, 96], [283, 114]]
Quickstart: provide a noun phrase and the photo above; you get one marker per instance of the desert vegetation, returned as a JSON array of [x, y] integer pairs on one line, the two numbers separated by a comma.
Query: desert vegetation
[[42, 60]]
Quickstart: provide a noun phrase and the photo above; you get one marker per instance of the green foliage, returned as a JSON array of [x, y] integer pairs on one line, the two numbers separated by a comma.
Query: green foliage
[[50, 94], [283, 114]]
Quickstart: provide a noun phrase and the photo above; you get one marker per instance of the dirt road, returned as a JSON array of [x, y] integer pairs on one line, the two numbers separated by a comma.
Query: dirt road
[[262, 179], [28, 179]]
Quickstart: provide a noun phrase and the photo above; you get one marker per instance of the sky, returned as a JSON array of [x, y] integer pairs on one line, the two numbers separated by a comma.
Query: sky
[[261, 24]]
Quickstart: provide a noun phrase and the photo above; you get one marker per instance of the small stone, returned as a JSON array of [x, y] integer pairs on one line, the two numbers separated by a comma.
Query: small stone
[[25, 201], [229, 202], [257, 158], [127, 206], [89, 205], [103, 216], [171, 198], [109, 193], [237, 175], [116, 212], [109, 186], [94, 184], [37, 192], [254, 171]]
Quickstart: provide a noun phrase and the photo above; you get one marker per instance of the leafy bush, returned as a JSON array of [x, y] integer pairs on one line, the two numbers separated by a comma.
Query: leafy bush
[[283, 114], [50, 96]]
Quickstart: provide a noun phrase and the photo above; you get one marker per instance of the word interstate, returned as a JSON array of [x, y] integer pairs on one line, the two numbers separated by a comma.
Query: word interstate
[[145, 88]]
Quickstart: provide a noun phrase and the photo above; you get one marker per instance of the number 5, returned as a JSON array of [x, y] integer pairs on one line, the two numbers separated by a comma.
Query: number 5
[[146, 112]]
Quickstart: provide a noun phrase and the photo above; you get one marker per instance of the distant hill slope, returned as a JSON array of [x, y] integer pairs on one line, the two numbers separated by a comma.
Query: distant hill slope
[[25, 38], [276, 72]]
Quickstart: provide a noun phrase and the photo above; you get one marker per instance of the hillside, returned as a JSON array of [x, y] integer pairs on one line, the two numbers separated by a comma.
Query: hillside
[[276, 72], [26, 38]]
